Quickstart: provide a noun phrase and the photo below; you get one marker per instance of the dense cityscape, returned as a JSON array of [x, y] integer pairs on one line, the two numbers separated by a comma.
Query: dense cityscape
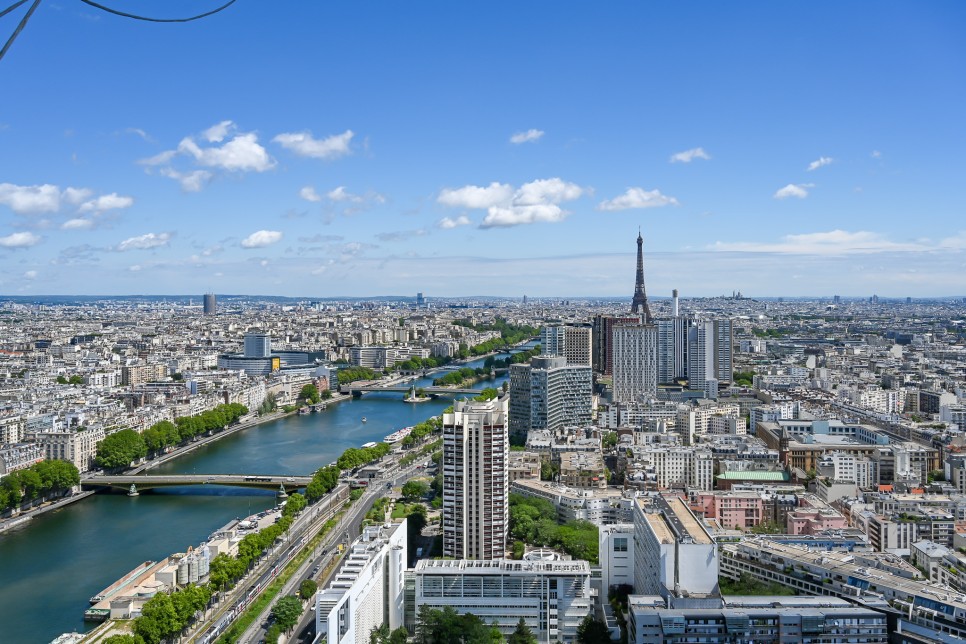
[[642, 471]]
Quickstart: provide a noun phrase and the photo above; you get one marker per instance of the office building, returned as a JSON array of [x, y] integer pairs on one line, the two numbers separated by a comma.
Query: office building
[[258, 345], [635, 362], [803, 620], [475, 498], [369, 589], [571, 342], [549, 394], [674, 555], [602, 349], [210, 304], [550, 595]]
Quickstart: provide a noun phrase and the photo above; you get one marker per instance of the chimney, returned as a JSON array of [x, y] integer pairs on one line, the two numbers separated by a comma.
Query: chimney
[[674, 304]]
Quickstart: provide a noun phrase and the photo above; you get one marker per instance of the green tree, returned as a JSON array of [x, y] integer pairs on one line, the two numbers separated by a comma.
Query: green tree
[[120, 449], [310, 394], [415, 489], [325, 394], [123, 639], [592, 631], [75, 380], [158, 620], [274, 632], [307, 589], [522, 634], [286, 612]]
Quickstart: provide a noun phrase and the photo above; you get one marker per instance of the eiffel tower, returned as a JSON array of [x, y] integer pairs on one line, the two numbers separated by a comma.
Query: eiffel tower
[[639, 303]]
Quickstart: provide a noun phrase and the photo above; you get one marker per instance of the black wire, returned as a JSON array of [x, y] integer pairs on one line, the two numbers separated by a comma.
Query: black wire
[[23, 23], [135, 17], [11, 8]]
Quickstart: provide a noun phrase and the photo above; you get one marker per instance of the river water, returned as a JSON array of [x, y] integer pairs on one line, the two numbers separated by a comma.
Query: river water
[[50, 566]]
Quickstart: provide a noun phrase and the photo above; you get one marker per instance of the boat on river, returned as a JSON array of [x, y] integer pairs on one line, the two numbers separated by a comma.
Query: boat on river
[[395, 437]]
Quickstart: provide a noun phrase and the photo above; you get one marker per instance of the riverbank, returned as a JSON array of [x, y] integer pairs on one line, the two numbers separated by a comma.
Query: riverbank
[[27, 515]]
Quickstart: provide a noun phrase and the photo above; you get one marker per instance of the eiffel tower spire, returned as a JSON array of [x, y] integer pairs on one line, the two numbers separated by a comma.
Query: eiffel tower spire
[[639, 303]]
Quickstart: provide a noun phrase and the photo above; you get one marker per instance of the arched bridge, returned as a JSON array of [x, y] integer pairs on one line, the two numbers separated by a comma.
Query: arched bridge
[[143, 482], [436, 391]]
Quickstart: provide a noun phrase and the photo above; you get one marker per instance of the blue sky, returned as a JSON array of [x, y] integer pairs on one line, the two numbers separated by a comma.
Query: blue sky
[[328, 149]]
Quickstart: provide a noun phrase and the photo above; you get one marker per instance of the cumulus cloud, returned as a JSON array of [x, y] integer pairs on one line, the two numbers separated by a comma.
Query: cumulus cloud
[[158, 159], [261, 239], [112, 201], [241, 154], [30, 275], [144, 242], [78, 223], [797, 190], [833, 242], [447, 222], [536, 201], [309, 194], [190, 181], [476, 196], [305, 145], [818, 163], [30, 200], [75, 196], [690, 155], [526, 137], [19, 240], [638, 198], [217, 133], [134, 268]]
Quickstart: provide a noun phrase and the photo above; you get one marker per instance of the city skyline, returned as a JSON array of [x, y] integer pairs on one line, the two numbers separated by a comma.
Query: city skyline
[[759, 148]]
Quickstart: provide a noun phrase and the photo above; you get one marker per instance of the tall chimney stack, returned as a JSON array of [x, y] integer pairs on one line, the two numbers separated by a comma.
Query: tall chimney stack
[[674, 305]]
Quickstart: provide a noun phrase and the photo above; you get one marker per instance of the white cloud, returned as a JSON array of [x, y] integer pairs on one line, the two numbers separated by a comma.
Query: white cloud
[[525, 137], [690, 155], [30, 200], [19, 240], [303, 144], [144, 242], [190, 181], [309, 194], [818, 163], [30, 275], [217, 133], [141, 133], [341, 194], [112, 201], [834, 242], [876, 154], [76, 195], [134, 268], [638, 198], [77, 224], [798, 190], [159, 159], [536, 201], [261, 238], [476, 196], [242, 153], [447, 223]]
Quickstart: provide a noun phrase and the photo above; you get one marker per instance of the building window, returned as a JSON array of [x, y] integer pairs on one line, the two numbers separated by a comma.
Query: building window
[[620, 544]]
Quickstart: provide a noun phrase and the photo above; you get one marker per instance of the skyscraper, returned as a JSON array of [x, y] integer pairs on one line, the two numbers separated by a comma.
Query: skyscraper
[[475, 479], [639, 303], [548, 393], [635, 362], [210, 304], [571, 342]]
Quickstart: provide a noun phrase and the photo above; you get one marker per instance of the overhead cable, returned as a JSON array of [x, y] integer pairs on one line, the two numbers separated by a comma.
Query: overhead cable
[[23, 23], [145, 18]]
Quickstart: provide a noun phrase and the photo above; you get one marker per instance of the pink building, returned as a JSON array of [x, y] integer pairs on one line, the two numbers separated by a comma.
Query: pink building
[[813, 516], [740, 510]]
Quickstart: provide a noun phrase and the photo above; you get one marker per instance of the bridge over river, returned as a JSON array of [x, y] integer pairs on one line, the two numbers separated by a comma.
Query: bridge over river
[[360, 389], [146, 482]]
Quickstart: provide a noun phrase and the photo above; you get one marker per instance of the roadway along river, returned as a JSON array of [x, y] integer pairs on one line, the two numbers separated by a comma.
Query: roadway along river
[[50, 566]]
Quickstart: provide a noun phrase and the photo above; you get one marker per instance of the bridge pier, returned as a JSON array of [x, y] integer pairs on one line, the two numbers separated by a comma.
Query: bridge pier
[[133, 490]]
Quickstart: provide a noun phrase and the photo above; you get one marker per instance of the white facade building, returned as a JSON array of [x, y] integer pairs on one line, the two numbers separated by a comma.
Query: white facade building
[[635, 362]]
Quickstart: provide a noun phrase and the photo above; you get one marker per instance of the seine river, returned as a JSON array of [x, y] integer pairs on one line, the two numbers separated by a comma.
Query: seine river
[[50, 566]]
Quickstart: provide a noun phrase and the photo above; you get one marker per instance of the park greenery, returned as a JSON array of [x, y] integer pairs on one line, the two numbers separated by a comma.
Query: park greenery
[[351, 374], [534, 521], [744, 378], [382, 635], [356, 456], [487, 394], [420, 431], [446, 626], [165, 616], [310, 394], [73, 380], [38, 481], [118, 450], [323, 481], [509, 333], [462, 375], [748, 585], [415, 489]]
